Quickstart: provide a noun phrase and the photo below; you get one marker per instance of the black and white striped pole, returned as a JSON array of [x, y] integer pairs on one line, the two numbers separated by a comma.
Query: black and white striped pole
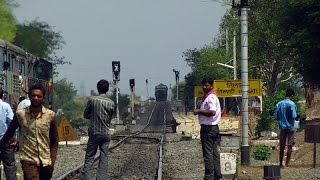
[[245, 151]]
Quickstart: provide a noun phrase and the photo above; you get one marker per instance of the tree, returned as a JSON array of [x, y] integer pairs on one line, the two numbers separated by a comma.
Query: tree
[[64, 93], [39, 39], [270, 59], [302, 25], [7, 22]]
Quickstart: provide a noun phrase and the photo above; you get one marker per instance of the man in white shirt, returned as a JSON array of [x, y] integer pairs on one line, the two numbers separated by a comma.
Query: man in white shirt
[[209, 115], [23, 103]]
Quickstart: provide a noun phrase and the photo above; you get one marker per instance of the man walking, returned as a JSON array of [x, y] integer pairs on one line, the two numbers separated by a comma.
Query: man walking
[[99, 110], [286, 114], [38, 136], [8, 149], [209, 116]]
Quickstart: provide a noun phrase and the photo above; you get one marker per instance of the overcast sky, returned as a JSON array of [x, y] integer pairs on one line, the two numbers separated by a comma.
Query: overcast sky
[[148, 37]]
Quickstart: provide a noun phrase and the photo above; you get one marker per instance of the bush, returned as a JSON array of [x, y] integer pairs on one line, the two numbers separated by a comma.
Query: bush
[[262, 152]]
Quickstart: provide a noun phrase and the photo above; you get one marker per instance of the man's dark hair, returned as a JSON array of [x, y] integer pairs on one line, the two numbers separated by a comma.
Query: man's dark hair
[[103, 86], [289, 92], [37, 86], [1, 93], [207, 80]]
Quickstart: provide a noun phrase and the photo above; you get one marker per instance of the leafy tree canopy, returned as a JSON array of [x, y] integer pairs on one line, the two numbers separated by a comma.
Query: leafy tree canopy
[[8, 27], [39, 39]]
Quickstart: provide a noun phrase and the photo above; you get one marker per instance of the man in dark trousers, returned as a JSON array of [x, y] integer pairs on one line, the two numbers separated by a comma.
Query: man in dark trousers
[[38, 136], [209, 115], [99, 110], [286, 114], [8, 150]]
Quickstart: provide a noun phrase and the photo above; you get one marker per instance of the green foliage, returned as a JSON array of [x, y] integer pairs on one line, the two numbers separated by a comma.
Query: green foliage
[[124, 101], [262, 152], [64, 93], [39, 39], [203, 63], [303, 27], [8, 27]]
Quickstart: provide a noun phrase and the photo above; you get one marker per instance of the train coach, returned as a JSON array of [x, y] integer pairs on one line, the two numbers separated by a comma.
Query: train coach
[[161, 92], [20, 69]]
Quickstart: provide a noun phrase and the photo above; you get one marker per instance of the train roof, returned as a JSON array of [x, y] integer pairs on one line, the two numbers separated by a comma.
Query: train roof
[[12, 47], [2, 43], [161, 86]]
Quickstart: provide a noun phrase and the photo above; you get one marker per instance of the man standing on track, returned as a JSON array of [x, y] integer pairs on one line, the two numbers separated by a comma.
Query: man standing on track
[[286, 114], [38, 136], [99, 110], [209, 115]]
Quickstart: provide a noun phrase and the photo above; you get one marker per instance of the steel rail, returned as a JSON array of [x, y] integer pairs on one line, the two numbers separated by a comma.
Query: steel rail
[[68, 175]]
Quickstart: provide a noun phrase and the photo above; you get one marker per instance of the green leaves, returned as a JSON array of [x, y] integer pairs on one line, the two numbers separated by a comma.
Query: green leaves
[[39, 39], [7, 22], [262, 152]]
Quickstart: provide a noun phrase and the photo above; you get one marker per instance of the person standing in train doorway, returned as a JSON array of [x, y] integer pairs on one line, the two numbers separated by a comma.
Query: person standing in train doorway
[[38, 136], [99, 110], [8, 150], [209, 115]]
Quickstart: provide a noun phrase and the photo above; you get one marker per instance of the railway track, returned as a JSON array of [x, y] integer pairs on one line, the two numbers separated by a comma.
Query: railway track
[[137, 155]]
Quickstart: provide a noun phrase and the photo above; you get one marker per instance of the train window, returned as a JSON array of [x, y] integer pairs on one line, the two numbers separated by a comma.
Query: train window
[[23, 67], [16, 64], [30, 69], [10, 61], [42, 69], [6, 65]]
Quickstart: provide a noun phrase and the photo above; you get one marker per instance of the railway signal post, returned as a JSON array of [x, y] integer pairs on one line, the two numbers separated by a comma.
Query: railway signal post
[[132, 84], [177, 81], [116, 79]]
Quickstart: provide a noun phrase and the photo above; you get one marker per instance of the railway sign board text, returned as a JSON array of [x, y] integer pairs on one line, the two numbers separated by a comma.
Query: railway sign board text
[[231, 88]]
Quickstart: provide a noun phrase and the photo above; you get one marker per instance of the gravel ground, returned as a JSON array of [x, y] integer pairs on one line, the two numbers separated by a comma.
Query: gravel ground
[[183, 160]]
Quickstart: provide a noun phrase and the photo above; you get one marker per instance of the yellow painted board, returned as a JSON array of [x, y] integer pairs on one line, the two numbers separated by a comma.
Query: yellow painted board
[[232, 88], [66, 131]]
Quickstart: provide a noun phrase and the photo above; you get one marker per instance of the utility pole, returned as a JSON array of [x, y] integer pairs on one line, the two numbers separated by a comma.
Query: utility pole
[[245, 151], [116, 79], [147, 88], [177, 82], [234, 56]]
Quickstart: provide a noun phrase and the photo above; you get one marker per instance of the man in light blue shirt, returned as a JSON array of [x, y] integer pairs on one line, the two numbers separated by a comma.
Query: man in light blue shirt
[[7, 152], [286, 114]]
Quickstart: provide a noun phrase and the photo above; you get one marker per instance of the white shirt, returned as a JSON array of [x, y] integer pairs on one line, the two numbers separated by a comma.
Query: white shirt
[[24, 103], [210, 103]]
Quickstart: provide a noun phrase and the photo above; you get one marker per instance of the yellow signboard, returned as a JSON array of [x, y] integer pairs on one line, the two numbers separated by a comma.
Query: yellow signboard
[[233, 88], [66, 131], [198, 91]]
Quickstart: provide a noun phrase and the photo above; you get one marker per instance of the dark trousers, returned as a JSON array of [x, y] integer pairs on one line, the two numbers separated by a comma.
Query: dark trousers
[[32, 171], [209, 136], [95, 142], [8, 160]]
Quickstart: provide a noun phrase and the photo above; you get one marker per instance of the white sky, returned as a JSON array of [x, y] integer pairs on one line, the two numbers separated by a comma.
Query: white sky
[[148, 37]]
